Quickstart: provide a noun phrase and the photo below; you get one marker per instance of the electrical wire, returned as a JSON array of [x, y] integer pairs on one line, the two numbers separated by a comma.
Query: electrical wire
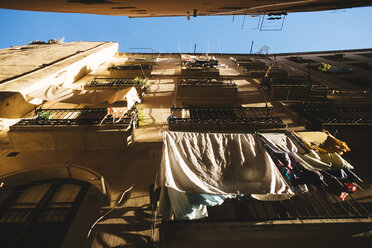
[[113, 208]]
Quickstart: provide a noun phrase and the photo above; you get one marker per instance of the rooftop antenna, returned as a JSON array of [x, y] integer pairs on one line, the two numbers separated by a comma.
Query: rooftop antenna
[[251, 21], [273, 21], [250, 52]]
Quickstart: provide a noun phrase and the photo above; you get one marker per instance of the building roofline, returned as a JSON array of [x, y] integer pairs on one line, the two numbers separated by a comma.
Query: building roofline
[[245, 54]]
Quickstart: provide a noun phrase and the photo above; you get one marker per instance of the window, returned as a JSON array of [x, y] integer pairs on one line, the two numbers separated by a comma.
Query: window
[[39, 214]]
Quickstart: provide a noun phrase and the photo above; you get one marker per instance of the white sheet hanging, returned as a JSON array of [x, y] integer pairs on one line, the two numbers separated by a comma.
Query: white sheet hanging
[[217, 164]]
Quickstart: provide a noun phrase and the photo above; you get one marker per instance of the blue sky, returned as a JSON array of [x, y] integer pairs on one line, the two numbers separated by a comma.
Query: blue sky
[[327, 30]]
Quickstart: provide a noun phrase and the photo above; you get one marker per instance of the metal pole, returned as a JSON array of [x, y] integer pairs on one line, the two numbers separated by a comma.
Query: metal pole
[[250, 52]]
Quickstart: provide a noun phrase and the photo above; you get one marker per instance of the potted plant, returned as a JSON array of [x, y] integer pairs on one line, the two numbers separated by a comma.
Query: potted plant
[[324, 67], [112, 66], [339, 55], [141, 81]]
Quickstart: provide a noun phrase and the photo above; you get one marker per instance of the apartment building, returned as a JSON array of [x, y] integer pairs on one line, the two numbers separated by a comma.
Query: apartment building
[[82, 141]]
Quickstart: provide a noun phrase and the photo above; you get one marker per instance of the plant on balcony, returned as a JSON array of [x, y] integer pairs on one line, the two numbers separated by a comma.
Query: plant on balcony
[[138, 80], [112, 66], [324, 67], [89, 83], [339, 55], [43, 115], [294, 57], [141, 117]]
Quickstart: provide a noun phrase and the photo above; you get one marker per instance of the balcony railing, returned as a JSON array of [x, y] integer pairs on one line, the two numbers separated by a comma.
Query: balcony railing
[[338, 116], [118, 83], [274, 72], [113, 82], [201, 63], [131, 67], [75, 117], [315, 204], [304, 82], [297, 222], [142, 61], [228, 119], [295, 89], [206, 82]]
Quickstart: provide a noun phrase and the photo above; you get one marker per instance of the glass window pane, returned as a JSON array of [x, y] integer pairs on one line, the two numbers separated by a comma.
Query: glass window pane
[[53, 215], [33, 194], [66, 193]]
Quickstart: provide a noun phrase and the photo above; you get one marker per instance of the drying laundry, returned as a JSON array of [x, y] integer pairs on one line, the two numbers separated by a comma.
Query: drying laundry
[[217, 164]]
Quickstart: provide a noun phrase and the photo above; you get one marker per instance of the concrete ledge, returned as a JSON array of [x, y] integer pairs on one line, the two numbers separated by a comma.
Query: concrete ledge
[[213, 73], [206, 92], [295, 233], [114, 73], [284, 92], [70, 137]]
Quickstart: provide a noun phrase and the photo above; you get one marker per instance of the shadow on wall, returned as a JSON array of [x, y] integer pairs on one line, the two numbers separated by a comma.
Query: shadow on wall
[[13, 105], [125, 227], [83, 71]]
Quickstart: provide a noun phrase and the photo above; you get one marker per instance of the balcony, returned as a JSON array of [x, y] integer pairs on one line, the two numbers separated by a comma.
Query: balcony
[[295, 89], [223, 119], [197, 169], [299, 59], [74, 129], [313, 215], [249, 64], [206, 92], [206, 82], [337, 117], [192, 66], [140, 61], [129, 71], [117, 83], [274, 72]]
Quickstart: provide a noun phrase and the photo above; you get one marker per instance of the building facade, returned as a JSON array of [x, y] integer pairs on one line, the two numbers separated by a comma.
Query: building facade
[[77, 145]]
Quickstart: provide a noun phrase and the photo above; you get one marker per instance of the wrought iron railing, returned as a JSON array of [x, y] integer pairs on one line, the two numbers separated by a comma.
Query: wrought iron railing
[[74, 117], [304, 82], [140, 60], [338, 116], [240, 60], [224, 118], [205, 82], [315, 204], [201, 63], [113, 82], [251, 65], [131, 67]]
